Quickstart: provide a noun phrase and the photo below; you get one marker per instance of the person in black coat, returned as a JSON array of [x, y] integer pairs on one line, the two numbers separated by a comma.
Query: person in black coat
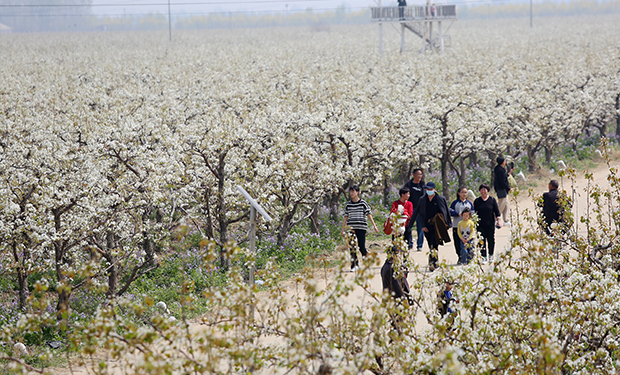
[[401, 9], [502, 187], [429, 206], [551, 209], [417, 190], [488, 219], [398, 288]]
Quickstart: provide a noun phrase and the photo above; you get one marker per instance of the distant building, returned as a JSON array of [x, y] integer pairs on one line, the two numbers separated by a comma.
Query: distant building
[[4, 28]]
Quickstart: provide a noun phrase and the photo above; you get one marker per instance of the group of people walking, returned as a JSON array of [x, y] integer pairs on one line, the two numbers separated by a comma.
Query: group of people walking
[[432, 217], [421, 206], [430, 213]]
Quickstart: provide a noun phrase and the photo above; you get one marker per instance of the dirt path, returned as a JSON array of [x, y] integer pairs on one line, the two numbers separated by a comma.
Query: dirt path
[[447, 253]]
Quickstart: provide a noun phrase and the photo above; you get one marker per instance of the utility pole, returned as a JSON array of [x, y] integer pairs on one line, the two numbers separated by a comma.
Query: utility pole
[[286, 15], [427, 27], [254, 208], [169, 22], [531, 23], [380, 32]]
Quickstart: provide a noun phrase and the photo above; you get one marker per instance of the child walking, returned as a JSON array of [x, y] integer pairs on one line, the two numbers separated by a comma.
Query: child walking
[[466, 230]]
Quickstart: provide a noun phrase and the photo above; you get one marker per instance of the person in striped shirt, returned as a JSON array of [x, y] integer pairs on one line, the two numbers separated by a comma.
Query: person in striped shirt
[[356, 213]]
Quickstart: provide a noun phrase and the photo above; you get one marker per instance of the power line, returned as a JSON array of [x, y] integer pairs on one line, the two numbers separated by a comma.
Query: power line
[[157, 4], [457, 2], [174, 14]]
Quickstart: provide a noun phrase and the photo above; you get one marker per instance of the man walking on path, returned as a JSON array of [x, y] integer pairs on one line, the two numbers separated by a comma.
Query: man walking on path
[[355, 213], [417, 190], [502, 188], [434, 212]]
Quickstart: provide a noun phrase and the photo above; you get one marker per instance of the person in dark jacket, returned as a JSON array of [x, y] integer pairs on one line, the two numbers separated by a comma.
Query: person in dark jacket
[[551, 209], [417, 190], [395, 283], [397, 288], [428, 207], [401, 9], [488, 215], [502, 188]]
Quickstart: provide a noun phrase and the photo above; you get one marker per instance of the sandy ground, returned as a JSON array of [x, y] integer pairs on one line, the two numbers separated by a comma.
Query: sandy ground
[[446, 252]]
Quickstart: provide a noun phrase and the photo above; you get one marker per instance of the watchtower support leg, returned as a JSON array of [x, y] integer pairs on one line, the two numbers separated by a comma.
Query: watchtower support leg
[[253, 252], [440, 37], [430, 34], [380, 40], [402, 38], [380, 32]]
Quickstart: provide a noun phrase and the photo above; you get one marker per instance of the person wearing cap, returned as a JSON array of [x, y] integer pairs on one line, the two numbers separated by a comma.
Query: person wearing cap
[[429, 208], [502, 188]]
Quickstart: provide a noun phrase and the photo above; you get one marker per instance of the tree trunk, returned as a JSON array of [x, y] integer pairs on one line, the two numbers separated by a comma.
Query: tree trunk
[[531, 155], [207, 210], [22, 280], [222, 213], [21, 260], [603, 128], [64, 290], [112, 275], [463, 172], [548, 155], [285, 227], [473, 159], [334, 206], [386, 190], [22, 276], [314, 220], [422, 161], [113, 270], [410, 168], [618, 115], [492, 164], [60, 251], [444, 177], [147, 243]]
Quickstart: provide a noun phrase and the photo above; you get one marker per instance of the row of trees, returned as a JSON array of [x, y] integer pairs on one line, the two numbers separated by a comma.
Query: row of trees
[[542, 9], [76, 15], [102, 155], [548, 306]]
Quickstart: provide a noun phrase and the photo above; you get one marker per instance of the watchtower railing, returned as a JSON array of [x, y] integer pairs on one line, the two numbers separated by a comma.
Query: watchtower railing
[[413, 13]]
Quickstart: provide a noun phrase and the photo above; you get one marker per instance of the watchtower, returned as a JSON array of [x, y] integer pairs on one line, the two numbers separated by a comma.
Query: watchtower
[[419, 20]]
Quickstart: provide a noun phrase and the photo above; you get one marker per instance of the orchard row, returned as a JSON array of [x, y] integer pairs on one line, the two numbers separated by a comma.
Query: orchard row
[[110, 141]]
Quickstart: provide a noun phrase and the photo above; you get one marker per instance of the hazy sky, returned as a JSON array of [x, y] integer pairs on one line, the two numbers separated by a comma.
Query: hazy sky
[[186, 7]]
